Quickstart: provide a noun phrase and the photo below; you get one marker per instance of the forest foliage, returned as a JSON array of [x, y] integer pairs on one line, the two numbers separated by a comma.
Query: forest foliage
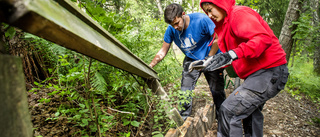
[[98, 97]]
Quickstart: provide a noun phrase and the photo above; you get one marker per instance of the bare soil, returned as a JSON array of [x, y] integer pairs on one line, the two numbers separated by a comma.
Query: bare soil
[[284, 116]]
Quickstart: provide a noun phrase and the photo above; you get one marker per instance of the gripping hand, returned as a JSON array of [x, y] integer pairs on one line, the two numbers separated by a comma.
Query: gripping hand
[[200, 64], [220, 60]]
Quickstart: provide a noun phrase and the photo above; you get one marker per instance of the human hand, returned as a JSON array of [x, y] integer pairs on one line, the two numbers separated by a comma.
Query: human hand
[[200, 64], [220, 60]]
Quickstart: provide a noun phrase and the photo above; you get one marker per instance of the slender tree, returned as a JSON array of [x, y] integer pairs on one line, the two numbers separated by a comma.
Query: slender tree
[[159, 7], [292, 15], [314, 4], [192, 6], [273, 11]]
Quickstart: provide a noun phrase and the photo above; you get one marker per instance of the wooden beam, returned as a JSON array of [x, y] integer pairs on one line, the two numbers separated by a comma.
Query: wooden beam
[[68, 26]]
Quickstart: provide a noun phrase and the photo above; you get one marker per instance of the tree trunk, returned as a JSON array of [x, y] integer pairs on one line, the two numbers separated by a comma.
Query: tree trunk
[[314, 4], [159, 7], [192, 6], [285, 37], [15, 119], [294, 53]]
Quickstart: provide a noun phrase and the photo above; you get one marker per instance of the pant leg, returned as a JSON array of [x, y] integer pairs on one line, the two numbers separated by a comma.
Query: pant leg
[[188, 82], [239, 105], [215, 80], [253, 124], [245, 100]]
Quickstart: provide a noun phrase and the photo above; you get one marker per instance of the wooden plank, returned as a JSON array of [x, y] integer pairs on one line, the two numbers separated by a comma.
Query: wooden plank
[[172, 133], [186, 128], [208, 116], [73, 29]]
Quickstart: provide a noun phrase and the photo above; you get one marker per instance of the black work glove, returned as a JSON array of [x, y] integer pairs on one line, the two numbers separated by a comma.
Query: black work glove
[[200, 64], [220, 60]]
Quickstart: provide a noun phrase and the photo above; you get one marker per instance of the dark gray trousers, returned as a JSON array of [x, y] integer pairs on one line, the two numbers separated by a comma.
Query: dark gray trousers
[[246, 103], [215, 80]]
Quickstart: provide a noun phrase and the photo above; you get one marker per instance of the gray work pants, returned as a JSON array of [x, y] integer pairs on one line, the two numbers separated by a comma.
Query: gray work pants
[[215, 80], [246, 102]]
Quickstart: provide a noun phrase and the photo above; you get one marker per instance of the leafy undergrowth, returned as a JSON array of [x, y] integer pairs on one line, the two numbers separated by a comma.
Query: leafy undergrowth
[[302, 80], [48, 120], [127, 109]]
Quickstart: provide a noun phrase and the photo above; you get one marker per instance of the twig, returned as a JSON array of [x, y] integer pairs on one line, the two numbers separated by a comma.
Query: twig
[[105, 111], [121, 111], [144, 119], [95, 112]]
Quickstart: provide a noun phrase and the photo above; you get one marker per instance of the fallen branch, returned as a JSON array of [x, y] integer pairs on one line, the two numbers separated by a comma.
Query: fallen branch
[[121, 111], [105, 111]]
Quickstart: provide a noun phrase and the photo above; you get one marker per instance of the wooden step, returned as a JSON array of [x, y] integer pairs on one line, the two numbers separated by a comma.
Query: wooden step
[[196, 126]]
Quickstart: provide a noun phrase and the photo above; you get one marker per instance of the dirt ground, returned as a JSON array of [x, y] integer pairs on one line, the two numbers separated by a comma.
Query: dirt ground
[[284, 116]]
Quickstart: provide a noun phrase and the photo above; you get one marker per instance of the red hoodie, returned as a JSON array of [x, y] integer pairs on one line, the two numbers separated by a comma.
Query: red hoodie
[[245, 32]]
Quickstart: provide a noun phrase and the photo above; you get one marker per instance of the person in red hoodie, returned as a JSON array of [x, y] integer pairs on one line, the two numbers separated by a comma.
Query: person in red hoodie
[[251, 48]]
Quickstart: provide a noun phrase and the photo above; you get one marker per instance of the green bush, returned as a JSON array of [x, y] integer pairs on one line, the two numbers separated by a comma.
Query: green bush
[[302, 80]]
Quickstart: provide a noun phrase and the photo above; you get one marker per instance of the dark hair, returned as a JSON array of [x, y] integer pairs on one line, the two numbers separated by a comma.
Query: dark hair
[[205, 3], [171, 12]]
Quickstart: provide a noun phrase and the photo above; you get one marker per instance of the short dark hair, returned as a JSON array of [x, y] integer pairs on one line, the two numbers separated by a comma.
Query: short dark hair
[[205, 3], [172, 11]]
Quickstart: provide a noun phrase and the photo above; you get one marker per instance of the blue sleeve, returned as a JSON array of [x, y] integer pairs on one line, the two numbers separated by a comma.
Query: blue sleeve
[[208, 25], [168, 35]]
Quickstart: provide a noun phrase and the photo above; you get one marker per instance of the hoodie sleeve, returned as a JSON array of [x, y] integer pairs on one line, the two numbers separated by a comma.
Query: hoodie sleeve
[[248, 26]]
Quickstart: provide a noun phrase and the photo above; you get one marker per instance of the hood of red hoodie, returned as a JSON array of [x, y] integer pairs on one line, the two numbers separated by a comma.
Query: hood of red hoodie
[[226, 5]]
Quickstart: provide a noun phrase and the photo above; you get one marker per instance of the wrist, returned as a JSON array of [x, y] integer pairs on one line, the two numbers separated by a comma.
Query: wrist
[[232, 54], [152, 65]]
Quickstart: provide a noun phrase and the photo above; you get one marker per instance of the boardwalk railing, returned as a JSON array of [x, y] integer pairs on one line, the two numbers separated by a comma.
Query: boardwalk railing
[[63, 23]]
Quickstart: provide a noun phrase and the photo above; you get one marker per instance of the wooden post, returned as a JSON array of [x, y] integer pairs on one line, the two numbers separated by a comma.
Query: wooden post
[[15, 119]]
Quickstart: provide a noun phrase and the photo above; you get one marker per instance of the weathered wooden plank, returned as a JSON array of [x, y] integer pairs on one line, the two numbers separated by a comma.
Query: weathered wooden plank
[[186, 128], [73, 29], [208, 116], [198, 125], [172, 133]]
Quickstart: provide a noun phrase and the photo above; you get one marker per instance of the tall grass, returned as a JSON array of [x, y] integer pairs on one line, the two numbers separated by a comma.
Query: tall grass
[[302, 79]]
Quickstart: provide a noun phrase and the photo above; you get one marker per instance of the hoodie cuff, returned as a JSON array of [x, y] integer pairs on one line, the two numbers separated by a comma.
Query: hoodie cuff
[[239, 52], [232, 54]]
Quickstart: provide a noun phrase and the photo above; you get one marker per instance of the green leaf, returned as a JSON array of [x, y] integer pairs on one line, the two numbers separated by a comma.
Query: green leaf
[[135, 123], [157, 134], [82, 105], [77, 116], [10, 32], [84, 122], [57, 114], [84, 111], [126, 123]]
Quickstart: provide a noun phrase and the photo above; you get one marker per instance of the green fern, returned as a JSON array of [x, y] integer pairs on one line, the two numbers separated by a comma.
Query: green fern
[[98, 82]]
